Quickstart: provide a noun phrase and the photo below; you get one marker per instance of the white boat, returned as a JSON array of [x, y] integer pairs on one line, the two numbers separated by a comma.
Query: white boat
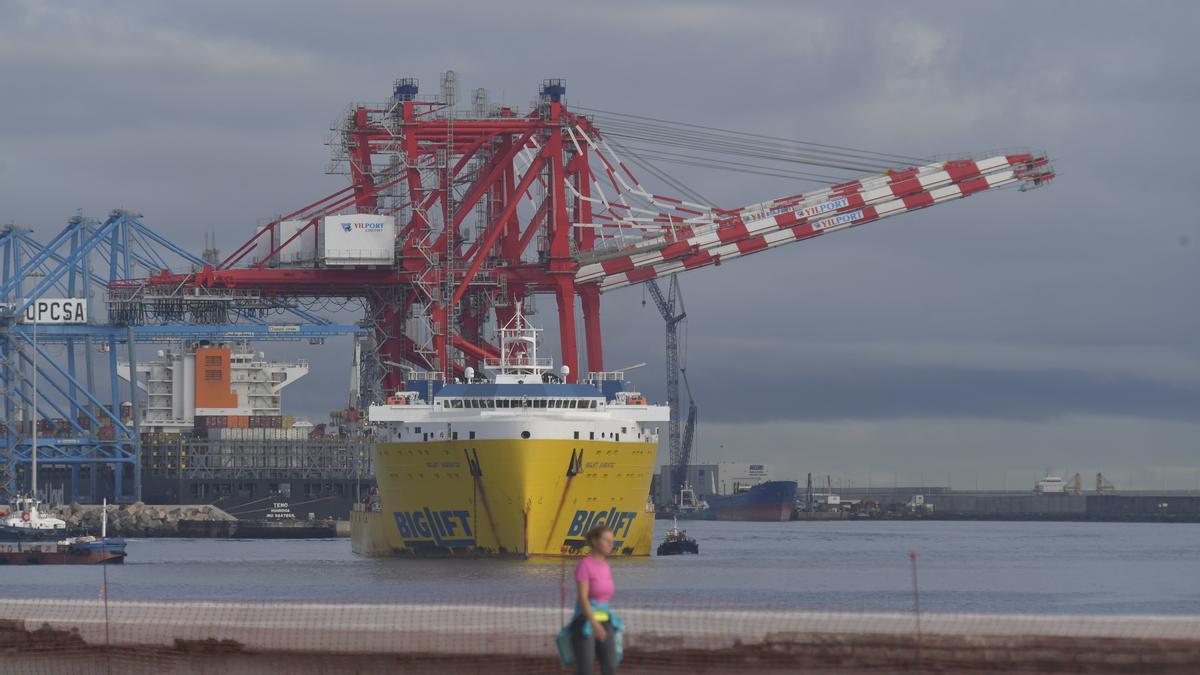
[[1050, 485], [25, 522]]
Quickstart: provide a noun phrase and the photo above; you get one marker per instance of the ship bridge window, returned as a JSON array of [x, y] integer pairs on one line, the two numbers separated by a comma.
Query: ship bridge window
[[539, 403]]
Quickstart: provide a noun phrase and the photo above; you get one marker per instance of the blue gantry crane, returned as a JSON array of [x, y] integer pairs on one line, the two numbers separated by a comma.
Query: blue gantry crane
[[59, 350]]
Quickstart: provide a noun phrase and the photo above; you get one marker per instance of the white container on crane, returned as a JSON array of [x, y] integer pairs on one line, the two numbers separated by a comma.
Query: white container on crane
[[301, 249], [358, 239]]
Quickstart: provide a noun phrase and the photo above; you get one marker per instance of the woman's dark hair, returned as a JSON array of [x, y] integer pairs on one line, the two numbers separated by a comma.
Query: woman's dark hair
[[594, 533]]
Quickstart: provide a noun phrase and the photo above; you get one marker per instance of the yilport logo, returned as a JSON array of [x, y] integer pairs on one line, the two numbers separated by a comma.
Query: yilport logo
[[363, 227], [619, 522], [444, 528]]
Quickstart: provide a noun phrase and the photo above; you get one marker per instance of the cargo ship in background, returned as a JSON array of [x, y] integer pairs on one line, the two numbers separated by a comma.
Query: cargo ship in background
[[727, 491], [520, 464], [766, 502], [213, 432]]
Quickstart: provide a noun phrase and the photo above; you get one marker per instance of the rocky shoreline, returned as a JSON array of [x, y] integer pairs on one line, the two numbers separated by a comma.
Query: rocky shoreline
[[141, 520]]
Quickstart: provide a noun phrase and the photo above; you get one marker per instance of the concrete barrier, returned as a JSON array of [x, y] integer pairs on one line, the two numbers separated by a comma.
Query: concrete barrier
[[301, 637]]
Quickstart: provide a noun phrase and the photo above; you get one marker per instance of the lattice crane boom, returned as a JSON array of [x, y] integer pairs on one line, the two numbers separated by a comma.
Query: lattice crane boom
[[666, 304]]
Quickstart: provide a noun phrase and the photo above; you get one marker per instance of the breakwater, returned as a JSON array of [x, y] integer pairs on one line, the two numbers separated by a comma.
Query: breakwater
[[148, 520]]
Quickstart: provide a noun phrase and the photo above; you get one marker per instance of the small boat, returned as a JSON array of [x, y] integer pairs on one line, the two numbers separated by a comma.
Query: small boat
[[86, 550], [25, 522], [687, 506], [79, 551], [677, 542]]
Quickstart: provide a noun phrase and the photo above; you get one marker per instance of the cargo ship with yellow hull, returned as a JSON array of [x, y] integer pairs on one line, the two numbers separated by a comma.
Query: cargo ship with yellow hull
[[521, 464]]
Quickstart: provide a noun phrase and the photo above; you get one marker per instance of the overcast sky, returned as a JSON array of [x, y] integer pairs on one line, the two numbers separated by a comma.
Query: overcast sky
[[988, 339]]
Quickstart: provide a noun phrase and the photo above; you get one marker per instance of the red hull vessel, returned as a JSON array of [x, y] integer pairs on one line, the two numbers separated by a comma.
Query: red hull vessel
[[57, 554]]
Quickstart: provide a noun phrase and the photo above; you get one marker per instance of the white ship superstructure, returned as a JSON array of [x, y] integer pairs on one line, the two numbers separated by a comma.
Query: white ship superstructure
[[202, 379]]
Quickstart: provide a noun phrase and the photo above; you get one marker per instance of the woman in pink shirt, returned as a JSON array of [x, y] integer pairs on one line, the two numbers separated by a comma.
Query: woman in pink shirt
[[595, 629]]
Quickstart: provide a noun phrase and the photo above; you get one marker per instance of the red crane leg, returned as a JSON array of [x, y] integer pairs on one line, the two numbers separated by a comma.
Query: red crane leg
[[468, 340], [391, 348], [419, 227], [360, 166], [565, 292], [589, 297], [440, 317]]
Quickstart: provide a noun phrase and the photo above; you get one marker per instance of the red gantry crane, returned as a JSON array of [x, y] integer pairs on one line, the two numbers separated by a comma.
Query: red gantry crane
[[492, 206]]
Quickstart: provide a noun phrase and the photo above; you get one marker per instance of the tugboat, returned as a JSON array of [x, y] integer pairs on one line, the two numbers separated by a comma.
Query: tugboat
[[687, 506], [25, 522], [677, 542]]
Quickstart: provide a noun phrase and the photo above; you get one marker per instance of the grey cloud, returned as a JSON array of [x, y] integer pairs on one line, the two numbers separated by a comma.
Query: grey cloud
[[852, 391], [211, 116]]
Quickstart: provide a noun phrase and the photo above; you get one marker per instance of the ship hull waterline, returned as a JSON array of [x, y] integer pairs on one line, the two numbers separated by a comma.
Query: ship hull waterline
[[507, 498]]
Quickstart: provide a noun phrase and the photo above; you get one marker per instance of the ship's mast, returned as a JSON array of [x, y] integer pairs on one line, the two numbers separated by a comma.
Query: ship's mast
[[518, 358], [34, 435]]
